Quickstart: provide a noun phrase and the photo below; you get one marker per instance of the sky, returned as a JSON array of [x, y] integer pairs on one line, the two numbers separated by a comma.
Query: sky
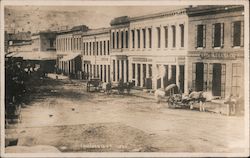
[[38, 18]]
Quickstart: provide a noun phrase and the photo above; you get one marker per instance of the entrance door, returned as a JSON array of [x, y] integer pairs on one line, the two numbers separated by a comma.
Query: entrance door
[[144, 74], [216, 81], [139, 74], [199, 77], [181, 78], [165, 78]]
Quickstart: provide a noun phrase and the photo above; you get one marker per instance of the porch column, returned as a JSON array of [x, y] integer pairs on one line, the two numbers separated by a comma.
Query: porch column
[[136, 74], [177, 75], [154, 76]]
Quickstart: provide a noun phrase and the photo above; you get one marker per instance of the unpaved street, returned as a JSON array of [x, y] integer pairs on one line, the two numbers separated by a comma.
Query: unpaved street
[[64, 115]]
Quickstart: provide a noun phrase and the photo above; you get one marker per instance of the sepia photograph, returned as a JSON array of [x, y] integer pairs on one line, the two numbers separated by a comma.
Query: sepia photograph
[[124, 78]]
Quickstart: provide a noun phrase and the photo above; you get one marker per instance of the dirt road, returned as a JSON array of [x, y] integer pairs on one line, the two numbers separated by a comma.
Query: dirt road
[[64, 115]]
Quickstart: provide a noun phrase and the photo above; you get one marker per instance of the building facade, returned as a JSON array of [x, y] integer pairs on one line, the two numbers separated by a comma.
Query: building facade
[[96, 54], [151, 49], [216, 51], [199, 48], [69, 47]]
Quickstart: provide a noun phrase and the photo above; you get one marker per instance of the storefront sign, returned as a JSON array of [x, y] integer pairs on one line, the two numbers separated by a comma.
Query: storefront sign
[[104, 59], [142, 60], [167, 60], [86, 62], [217, 55]]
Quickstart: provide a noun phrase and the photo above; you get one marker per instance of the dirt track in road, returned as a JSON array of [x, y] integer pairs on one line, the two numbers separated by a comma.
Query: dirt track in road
[[64, 115]]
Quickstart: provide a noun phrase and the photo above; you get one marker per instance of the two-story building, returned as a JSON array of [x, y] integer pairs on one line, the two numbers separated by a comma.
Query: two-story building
[[150, 49], [68, 50], [96, 54], [216, 49]]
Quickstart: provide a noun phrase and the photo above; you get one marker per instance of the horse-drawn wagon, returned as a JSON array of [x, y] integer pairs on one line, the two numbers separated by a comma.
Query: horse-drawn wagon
[[95, 83]]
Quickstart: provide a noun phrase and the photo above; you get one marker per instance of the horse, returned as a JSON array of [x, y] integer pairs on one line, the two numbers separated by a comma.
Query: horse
[[162, 93], [201, 97]]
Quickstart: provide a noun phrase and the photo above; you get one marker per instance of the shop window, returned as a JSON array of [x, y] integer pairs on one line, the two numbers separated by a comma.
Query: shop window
[[218, 35]]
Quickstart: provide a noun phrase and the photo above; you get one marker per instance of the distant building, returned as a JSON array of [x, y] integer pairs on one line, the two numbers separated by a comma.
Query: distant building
[[216, 49], [68, 50]]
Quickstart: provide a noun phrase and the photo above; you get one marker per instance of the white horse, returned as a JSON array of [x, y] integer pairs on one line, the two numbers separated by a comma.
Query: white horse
[[202, 97]]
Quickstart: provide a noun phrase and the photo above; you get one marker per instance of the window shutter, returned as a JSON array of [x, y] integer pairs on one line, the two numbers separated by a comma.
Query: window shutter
[[232, 34], [205, 76], [204, 36], [193, 75], [223, 79], [210, 76], [242, 34], [213, 26], [222, 34], [195, 37]]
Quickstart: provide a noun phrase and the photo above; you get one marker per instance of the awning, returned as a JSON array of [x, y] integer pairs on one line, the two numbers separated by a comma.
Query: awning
[[70, 56], [35, 55]]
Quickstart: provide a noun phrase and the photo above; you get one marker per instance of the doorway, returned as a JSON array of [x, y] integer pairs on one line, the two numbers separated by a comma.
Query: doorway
[[199, 77], [216, 80]]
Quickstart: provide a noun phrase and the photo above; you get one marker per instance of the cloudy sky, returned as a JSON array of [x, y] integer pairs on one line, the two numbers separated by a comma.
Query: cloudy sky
[[35, 18]]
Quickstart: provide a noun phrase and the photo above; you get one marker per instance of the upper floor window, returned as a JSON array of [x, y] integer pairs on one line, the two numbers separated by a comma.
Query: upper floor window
[[150, 37], [218, 35], [90, 48], [113, 40], [108, 46], [133, 38], [100, 47], [117, 40], [126, 41], [138, 38], [122, 39], [200, 36], [166, 36], [174, 36], [182, 34], [97, 48], [94, 48], [144, 38], [158, 37], [237, 33], [104, 47]]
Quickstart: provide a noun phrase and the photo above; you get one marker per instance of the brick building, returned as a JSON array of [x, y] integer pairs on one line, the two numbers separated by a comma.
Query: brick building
[[216, 49]]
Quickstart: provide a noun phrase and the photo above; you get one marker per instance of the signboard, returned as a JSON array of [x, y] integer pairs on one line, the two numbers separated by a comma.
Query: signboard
[[142, 60], [218, 55], [86, 62]]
